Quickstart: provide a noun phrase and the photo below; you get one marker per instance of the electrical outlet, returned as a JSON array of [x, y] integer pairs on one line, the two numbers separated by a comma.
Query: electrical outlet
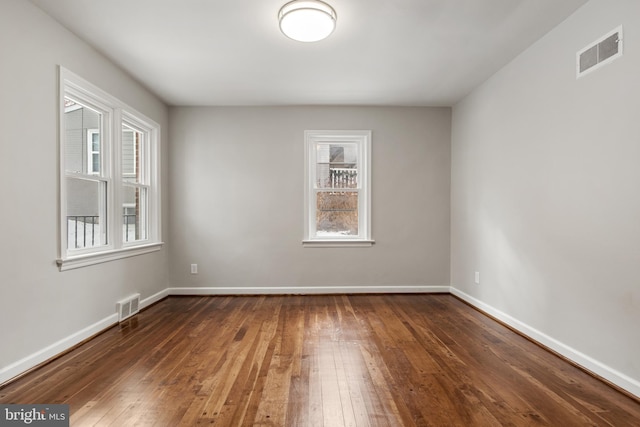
[[477, 278], [194, 268]]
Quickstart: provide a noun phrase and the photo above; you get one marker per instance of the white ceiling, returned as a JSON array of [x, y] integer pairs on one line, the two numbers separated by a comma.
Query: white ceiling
[[383, 52]]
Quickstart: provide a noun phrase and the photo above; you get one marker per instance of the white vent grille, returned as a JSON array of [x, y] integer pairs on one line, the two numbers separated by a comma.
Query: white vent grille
[[599, 53], [128, 307]]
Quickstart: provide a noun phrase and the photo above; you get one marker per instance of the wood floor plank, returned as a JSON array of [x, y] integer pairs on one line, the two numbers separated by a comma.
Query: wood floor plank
[[325, 360]]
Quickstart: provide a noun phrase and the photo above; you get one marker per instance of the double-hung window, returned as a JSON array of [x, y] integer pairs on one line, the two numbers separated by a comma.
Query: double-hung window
[[337, 188], [109, 177]]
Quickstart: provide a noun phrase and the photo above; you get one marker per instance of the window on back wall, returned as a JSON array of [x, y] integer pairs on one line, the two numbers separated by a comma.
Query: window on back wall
[[109, 187], [337, 188]]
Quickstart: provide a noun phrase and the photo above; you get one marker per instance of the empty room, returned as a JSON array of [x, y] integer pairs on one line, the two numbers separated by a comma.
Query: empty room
[[397, 213]]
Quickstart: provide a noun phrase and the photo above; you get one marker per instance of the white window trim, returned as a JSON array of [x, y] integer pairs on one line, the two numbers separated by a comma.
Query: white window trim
[[363, 139], [86, 260], [117, 113]]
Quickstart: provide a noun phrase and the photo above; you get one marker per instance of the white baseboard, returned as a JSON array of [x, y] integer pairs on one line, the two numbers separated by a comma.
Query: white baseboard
[[310, 290], [618, 378], [40, 356], [154, 298]]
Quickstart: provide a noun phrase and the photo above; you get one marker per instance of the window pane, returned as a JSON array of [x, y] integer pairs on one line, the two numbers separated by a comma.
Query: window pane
[[336, 213], [134, 214], [86, 213], [82, 138], [132, 143], [95, 141], [336, 165], [95, 161]]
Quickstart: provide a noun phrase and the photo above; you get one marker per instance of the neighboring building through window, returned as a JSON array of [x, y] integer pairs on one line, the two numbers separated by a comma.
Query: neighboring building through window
[[337, 188], [109, 177]]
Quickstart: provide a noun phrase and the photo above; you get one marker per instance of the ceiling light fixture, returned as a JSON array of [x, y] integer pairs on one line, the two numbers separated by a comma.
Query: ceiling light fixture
[[307, 20]]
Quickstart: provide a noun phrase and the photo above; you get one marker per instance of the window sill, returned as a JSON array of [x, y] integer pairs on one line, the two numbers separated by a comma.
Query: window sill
[[337, 243], [98, 258]]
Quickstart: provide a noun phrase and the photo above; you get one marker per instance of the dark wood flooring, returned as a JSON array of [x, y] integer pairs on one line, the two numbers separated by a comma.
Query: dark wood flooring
[[345, 360]]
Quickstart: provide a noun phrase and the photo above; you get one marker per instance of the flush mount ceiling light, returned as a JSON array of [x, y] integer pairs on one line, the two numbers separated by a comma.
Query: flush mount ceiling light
[[307, 20]]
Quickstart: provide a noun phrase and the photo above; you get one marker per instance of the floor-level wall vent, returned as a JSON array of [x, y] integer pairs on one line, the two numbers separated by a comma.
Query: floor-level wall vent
[[128, 307], [599, 53]]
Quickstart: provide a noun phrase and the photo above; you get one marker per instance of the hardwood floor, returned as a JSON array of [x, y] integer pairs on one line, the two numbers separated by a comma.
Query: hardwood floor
[[347, 360]]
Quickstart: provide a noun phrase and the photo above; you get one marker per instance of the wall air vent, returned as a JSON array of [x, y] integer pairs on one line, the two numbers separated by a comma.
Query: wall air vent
[[599, 53], [128, 307]]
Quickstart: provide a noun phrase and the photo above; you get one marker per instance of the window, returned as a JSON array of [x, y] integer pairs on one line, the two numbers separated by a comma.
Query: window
[[337, 188], [108, 177]]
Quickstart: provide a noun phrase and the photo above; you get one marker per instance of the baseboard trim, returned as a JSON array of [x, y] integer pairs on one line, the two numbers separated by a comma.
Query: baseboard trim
[[590, 365], [54, 350], [310, 290], [154, 299]]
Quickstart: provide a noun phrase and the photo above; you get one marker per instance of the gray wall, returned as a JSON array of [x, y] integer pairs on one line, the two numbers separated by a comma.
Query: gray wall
[[545, 191], [39, 305], [237, 198]]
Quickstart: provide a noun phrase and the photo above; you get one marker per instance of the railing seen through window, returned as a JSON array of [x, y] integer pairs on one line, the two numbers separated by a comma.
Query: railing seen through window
[[85, 231]]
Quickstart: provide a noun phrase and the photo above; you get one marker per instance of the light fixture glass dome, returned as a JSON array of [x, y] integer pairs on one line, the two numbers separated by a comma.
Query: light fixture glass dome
[[307, 20]]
